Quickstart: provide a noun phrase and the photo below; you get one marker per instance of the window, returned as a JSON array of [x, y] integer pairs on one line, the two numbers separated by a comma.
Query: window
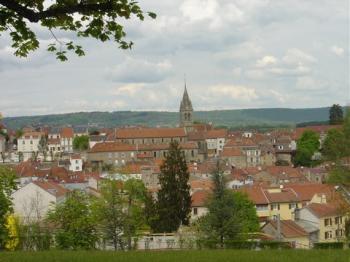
[[328, 222], [328, 234], [292, 205], [155, 154], [338, 220], [76, 161], [76, 168], [31, 142], [192, 153], [262, 207], [195, 211], [339, 233], [23, 142], [275, 206]]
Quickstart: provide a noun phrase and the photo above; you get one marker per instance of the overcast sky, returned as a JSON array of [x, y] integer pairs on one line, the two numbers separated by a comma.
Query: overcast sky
[[235, 54]]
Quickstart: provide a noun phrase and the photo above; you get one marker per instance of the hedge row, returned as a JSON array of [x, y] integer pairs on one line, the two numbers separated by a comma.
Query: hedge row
[[233, 244], [330, 245]]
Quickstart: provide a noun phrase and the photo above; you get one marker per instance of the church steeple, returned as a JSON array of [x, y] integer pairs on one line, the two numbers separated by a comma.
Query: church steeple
[[186, 111]]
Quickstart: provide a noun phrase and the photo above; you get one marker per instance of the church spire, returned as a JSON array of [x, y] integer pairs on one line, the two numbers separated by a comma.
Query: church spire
[[186, 109]]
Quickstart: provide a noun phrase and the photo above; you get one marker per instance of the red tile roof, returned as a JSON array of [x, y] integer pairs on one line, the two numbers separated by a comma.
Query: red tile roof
[[231, 152], [285, 196], [306, 191], [199, 198], [290, 229], [129, 133], [216, 133], [52, 188], [318, 129], [256, 195], [323, 210], [121, 147], [67, 132]]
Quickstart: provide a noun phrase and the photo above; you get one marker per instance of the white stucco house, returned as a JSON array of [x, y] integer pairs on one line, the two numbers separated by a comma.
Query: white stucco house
[[33, 201], [28, 144]]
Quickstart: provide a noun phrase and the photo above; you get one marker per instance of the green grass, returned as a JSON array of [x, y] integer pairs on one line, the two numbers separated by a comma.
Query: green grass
[[180, 256]]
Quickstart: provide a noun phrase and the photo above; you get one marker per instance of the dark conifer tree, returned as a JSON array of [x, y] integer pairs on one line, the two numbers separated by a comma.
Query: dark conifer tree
[[335, 115], [174, 200]]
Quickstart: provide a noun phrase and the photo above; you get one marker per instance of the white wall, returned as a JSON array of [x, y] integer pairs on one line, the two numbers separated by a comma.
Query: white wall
[[31, 202]]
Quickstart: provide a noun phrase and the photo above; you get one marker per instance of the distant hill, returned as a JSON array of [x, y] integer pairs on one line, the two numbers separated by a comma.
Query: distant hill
[[267, 117]]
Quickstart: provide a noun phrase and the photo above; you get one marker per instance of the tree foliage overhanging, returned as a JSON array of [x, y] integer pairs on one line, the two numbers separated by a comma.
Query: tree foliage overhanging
[[99, 19]]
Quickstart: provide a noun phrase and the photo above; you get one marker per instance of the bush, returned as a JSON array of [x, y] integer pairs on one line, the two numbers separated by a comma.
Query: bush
[[330, 245]]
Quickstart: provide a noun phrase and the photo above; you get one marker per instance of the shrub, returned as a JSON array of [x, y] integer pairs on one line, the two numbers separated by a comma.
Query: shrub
[[330, 245]]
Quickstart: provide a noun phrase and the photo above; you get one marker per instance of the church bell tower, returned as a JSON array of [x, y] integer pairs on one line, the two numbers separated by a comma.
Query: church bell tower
[[186, 112]]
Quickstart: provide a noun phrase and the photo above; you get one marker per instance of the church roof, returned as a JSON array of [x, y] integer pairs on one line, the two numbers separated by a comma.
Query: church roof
[[186, 103]]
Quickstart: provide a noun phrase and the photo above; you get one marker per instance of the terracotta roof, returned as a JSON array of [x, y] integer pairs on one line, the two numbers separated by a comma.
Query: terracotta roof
[[52, 188], [216, 133], [284, 170], [230, 152], [323, 210], [318, 129], [121, 147], [241, 142], [306, 191], [128, 133], [202, 184], [67, 132], [199, 198], [289, 229], [256, 195], [285, 196]]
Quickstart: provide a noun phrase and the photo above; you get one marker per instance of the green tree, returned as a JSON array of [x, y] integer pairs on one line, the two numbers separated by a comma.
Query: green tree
[[7, 186], [120, 211], [108, 210], [75, 224], [334, 146], [135, 220], [81, 143], [339, 175], [99, 19], [230, 214], [307, 145], [174, 200], [335, 115]]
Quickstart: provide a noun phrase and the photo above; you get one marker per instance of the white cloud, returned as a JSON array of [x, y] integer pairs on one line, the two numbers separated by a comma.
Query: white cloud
[[295, 56], [266, 61], [140, 71], [337, 50], [233, 92], [128, 89], [196, 10]]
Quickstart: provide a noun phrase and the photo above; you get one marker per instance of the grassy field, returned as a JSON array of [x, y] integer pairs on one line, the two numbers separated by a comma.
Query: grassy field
[[181, 256]]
